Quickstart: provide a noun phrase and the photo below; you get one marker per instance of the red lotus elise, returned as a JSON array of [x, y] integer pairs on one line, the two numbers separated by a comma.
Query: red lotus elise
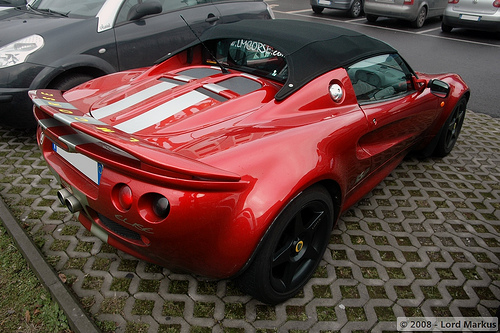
[[234, 156]]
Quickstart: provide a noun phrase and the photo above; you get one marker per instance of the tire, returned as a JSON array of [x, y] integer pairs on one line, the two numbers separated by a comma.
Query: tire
[[69, 81], [451, 129], [371, 18], [446, 27], [292, 248], [419, 21], [317, 10], [356, 9]]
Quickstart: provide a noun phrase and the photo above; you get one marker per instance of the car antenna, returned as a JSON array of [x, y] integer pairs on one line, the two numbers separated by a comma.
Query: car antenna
[[222, 68]]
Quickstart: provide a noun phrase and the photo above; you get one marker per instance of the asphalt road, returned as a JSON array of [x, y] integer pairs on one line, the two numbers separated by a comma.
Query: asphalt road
[[472, 54]]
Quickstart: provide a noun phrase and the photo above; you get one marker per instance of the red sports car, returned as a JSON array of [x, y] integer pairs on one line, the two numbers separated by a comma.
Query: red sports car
[[234, 156]]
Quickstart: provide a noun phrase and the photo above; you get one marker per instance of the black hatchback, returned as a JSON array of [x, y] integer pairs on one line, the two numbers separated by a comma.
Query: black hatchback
[[58, 44]]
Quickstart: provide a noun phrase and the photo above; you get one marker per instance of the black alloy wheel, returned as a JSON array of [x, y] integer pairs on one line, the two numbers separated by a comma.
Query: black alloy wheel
[[451, 129], [292, 249]]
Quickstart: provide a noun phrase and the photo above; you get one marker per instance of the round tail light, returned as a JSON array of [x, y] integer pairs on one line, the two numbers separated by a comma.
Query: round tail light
[[161, 206], [122, 197], [153, 207]]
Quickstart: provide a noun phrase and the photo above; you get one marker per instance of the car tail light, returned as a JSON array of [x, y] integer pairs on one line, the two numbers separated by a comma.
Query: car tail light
[[408, 2], [453, 1], [161, 206], [153, 207], [496, 3], [122, 197]]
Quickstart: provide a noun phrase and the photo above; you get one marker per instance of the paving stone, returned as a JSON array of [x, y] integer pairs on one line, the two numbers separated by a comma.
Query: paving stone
[[424, 242]]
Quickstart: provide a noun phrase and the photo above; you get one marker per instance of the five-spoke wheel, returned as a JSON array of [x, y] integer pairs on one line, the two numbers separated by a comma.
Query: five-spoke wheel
[[292, 249], [451, 129]]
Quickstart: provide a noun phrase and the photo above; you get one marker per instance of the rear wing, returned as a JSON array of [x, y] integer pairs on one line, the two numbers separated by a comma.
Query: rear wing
[[75, 131]]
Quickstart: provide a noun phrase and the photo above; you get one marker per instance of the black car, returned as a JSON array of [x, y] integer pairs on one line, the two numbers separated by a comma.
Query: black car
[[12, 3], [59, 44]]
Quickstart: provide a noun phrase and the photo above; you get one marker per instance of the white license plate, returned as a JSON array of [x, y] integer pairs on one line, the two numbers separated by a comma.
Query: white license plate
[[470, 17], [324, 2], [82, 163]]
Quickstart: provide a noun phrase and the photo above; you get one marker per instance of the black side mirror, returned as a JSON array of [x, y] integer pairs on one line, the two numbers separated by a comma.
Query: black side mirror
[[439, 88], [146, 8]]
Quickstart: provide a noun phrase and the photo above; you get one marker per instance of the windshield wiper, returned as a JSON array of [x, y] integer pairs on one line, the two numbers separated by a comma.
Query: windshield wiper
[[53, 12], [47, 11]]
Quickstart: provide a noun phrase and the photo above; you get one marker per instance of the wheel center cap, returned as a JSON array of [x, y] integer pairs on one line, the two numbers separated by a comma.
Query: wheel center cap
[[299, 246]]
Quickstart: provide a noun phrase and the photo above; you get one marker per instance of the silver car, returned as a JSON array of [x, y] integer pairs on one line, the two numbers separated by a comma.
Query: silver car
[[353, 7], [472, 14], [415, 11]]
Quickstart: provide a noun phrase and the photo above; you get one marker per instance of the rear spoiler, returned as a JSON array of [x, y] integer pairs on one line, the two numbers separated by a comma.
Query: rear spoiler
[[59, 112]]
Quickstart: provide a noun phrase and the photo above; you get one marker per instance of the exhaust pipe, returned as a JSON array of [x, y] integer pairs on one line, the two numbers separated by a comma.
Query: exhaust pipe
[[69, 200], [73, 204], [62, 195]]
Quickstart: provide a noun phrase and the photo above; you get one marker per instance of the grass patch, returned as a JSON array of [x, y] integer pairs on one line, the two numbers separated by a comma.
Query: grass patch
[[25, 305]]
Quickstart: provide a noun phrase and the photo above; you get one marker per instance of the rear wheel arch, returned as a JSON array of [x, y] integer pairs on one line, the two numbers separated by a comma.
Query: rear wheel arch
[[327, 192], [422, 15]]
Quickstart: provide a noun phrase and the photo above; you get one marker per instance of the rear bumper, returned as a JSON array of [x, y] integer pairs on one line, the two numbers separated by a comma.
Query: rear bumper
[[483, 23], [408, 13], [334, 4]]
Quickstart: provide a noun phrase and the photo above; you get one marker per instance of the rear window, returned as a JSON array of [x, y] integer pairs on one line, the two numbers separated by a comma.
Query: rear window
[[253, 57]]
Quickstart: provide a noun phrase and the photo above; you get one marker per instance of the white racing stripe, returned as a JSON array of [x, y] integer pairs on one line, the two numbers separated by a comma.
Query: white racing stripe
[[132, 100], [161, 112]]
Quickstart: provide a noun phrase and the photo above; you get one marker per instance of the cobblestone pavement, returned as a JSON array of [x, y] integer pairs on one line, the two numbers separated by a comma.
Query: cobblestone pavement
[[425, 242]]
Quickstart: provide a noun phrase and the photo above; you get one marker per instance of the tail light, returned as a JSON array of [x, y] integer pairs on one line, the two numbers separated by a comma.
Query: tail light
[[161, 206], [153, 207], [122, 197], [453, 1], [496, 3], [408, 2]]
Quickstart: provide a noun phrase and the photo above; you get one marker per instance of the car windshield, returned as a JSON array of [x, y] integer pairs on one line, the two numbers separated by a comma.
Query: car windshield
[[253, 57], [82, 8]]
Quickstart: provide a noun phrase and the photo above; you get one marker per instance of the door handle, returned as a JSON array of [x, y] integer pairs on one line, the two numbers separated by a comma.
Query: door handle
[[212, 18]]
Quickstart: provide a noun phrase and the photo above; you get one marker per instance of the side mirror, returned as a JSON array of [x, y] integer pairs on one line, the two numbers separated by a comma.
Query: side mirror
[[146, 8], [439, 88], [418, 84]]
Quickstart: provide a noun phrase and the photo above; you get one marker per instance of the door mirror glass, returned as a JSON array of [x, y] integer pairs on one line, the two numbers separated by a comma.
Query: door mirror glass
[[439, 88], [143, 9]]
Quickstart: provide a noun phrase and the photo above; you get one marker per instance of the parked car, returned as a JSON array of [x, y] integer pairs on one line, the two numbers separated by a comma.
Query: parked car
[[415, 11], [234, 158], [472, 14], [60, 44], [12, 3], [354, 8]]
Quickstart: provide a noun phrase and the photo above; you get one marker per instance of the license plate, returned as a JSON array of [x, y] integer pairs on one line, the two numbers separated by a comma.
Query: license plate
[[90, 168], [324, 2], [470, 17]]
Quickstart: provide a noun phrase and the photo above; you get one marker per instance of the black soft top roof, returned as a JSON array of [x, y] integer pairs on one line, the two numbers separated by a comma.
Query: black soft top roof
[[311, 49]]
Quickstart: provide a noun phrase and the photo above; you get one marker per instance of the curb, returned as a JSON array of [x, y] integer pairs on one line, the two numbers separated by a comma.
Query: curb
[[78, 320]]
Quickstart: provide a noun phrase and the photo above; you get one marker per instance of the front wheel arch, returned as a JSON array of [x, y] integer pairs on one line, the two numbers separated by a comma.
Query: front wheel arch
[[73, 77]]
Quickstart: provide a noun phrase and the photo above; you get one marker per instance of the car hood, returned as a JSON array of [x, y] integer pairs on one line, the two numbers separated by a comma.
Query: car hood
[[172, 108], [19, 23]]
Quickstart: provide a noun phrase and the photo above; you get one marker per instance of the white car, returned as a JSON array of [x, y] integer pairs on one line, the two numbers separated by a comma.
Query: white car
[[472, 14]]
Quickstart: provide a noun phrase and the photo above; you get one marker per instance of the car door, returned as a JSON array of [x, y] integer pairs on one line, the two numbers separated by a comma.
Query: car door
[[143, 41], [396, 110]]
